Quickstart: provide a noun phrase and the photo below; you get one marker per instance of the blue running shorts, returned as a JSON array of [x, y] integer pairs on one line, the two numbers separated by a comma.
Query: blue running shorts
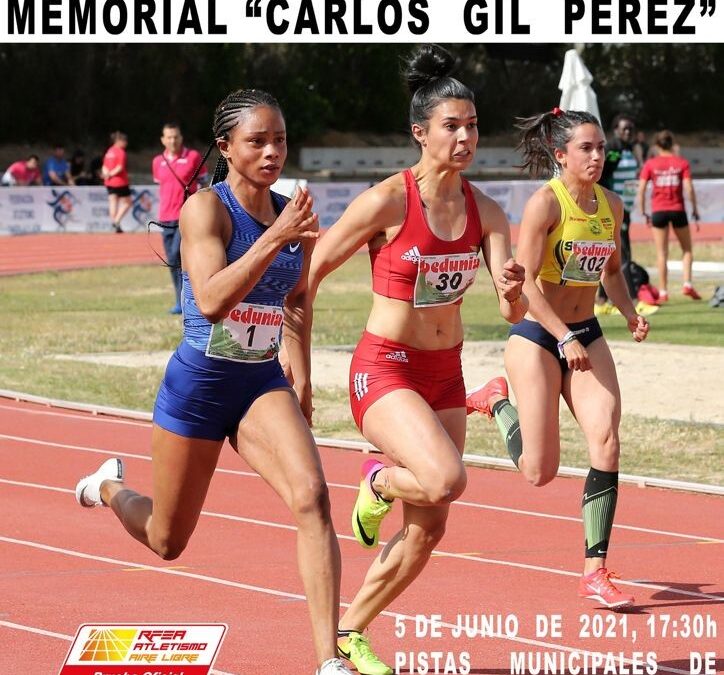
[[586, 331], [201, 397]]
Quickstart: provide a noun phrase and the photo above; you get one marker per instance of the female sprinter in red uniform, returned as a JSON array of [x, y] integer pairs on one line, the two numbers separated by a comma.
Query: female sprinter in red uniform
[[245, 253], [425, 228], [569, 241], [115, 178], [671, 177]]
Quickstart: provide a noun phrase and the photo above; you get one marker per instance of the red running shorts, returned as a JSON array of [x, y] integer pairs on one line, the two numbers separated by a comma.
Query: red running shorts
[[380, 366]]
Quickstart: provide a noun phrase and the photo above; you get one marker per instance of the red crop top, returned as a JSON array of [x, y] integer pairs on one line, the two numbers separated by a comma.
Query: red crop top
[[420, 267]]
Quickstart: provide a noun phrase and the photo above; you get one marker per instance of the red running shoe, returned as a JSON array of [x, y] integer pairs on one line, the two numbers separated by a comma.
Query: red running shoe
[[648, 294], [479, 398], [598, 586], [691, 292]]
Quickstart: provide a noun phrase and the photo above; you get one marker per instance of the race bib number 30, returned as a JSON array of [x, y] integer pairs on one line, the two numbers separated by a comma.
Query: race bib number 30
[[442, 279], [586, 261], [249, 334]]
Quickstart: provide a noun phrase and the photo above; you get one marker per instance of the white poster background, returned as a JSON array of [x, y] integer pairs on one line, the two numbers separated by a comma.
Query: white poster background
[[331, 199], [28, 210]]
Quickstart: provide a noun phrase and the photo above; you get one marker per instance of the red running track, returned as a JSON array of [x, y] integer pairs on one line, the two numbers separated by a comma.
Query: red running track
[[511, 551], [42, 252]]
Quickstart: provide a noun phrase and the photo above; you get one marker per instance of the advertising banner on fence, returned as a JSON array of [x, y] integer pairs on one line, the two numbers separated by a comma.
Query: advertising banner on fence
[[30, 210], [331, 199]]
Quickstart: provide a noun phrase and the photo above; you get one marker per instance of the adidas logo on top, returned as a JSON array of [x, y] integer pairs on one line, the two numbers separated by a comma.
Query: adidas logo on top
[[400, 356], [413, 255]]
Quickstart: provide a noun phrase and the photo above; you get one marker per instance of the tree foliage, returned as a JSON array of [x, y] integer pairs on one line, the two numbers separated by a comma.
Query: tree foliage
[[79, 93]]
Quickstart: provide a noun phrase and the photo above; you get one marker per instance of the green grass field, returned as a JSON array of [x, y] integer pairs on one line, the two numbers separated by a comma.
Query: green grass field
[[344, 302], [44, 316]]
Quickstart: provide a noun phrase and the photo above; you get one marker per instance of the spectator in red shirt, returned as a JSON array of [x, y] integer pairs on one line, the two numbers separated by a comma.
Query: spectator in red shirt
[[179, 172], [671, 178], [23, 172], [115, 178]]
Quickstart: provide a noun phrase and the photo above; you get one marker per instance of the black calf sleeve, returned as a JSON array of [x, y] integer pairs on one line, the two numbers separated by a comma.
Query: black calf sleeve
[[599, 506]]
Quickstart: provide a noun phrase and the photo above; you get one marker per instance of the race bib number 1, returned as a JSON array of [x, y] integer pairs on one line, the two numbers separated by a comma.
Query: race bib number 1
[[249, 334], [442, 279], [587, 260]]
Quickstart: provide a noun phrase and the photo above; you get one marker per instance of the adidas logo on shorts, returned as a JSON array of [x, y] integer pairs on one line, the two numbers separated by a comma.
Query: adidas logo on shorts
[[400, 356], [413, 255], [360, 385]]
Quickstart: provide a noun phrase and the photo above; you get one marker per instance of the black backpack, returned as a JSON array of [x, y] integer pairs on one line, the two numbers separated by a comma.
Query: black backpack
[[637, 275]]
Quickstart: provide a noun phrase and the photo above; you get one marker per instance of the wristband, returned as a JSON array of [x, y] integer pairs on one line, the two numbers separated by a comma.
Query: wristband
[[570, 336]]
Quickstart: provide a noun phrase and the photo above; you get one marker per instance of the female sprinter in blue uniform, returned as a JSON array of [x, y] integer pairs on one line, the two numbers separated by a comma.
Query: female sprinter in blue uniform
[[425, 228], [569, 241], [245, 256]]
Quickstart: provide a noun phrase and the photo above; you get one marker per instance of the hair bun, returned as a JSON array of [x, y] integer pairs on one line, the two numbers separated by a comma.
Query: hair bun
[[429, 63]]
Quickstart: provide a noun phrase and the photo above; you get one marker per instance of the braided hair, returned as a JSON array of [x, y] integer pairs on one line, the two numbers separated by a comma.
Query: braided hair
[[428, 79], [545, 133], [226, 117]]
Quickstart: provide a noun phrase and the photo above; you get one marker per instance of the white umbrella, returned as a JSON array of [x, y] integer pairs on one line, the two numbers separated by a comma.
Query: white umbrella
[[575, 86]]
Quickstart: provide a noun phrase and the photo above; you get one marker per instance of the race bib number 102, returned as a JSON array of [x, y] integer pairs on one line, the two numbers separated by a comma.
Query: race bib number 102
[[586, 261]]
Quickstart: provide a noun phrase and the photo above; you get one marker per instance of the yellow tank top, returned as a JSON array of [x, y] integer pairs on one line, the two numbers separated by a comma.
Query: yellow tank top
[[578, 248]]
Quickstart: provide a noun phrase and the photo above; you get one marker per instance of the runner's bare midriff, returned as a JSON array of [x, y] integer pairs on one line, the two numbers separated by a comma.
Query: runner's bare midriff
[[570, 303], [422, 328]]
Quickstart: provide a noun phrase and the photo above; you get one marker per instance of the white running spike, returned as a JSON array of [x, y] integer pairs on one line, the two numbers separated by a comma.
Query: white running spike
[[88, 489]]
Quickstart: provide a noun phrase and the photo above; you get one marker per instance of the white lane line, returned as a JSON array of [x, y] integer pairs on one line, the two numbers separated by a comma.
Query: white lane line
[[344, 486], [37, 631], [90, 417], [67, 446], [565, 573], [37, 486], [436, 552], [153, 568], [121, 415], [68, 638], [294, 596], [573, 519]]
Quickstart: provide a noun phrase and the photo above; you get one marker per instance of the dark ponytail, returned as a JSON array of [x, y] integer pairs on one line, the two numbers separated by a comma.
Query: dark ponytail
[[226, 117], [428, 78], [665, 140], [544, 133]]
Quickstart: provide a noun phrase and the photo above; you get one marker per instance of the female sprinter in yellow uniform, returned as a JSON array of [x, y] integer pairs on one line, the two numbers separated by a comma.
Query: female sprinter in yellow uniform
[[569, 241]]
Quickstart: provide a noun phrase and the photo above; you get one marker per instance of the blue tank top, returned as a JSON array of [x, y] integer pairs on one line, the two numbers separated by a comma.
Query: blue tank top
[[278, 279]]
